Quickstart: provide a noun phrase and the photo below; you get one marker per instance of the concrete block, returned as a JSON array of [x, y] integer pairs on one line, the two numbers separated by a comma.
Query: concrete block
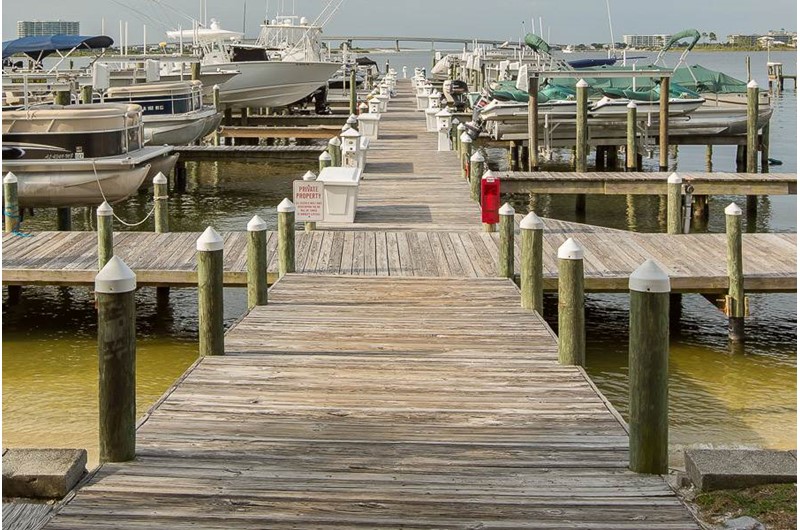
[[42, 473], [717, 469]]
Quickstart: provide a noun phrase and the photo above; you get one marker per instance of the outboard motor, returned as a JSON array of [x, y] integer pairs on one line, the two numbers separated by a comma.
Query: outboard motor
[[455, 92]]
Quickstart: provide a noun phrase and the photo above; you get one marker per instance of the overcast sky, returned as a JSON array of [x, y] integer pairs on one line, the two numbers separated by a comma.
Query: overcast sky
[[566, 20]]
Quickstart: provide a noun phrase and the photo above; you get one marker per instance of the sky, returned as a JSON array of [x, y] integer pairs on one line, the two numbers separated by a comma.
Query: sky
[[565, 21]]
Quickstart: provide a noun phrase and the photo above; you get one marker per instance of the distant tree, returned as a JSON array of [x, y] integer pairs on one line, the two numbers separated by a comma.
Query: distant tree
[[712, 36], [704, 35]]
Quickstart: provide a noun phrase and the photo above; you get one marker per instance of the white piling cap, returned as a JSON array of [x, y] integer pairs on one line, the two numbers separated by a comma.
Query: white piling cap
[[531, 222], [570, 250], [752, 84], [160, 179], [733, 209], [105, 210], [256, 224], [10, 178], [489, 174], [649, 278], [675, 179], [465, 137], [352, 118], [581, 84], [335, 141], [444, 113], [115, 277], [632, 104], [507, 209], [456, 121], [325, 156], [346, 127], [286, 206], [215, 87], [350, 133], [363, 105], [461, 126], [210, 241], [477, 157], [310, 175]]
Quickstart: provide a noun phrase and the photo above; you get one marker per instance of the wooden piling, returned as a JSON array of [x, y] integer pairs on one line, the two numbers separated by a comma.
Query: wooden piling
[[11, 215], [160, 196], [581, 126], [506, 257], [663, 126], [533, 123], [310, 226], [710, 158], [195, 71], [571, 318], [115, 287], [215, 99], [324, 160], [674, 204], [477, 167], [62, 97], [466, 154], [765, 148], [286, 240], [64, 219], [531, 265], [86, 94], [257, 290], [648, 357], [105, 234], [335, 150], [353, 93], [752, 126], [631, 149], [209, 293], [735, 301], [612, 156]]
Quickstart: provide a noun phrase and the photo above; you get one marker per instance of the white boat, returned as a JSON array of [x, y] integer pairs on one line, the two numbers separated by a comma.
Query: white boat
[[79, 155], [607, 106]]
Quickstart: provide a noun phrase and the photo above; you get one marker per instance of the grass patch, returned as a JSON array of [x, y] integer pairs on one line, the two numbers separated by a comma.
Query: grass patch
[[774, 505]]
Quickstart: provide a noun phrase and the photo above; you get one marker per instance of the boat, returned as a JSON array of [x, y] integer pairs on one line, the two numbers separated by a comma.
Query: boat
[[79, 155], [173, 113]]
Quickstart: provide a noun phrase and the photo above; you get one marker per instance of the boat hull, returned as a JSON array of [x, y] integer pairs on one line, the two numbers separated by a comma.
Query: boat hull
[[180, 129]]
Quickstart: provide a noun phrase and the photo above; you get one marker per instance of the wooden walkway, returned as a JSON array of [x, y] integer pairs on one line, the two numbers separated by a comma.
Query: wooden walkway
[[381, 403], [646, 183], [695, 262]]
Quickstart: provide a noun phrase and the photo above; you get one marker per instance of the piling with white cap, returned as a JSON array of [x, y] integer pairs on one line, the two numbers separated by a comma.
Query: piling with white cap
[[648, 362], [105, 234], [571, 318], [631, 149], [477, 166], [209, 293], [735, 302], [335, 150], [531, 267], [752, 126], [466, 153], [10, 197], [324, 160], [310, 226], [160, 196], [216, 103], [352, 121], [674, 204], [286, 237], [115, 288], [506, 257], [257, 286], [663, 125], [581, 126], [353, 94]]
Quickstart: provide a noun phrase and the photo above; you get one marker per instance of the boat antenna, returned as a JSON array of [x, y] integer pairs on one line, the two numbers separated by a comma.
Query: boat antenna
[[610, 26]]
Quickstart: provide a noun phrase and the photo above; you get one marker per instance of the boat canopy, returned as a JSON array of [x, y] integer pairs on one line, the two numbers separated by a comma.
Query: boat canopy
[[685, 34], [536, 43], [40, 47], [704, 80]]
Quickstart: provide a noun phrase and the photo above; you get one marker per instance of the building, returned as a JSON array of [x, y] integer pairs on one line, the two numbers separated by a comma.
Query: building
[[645, 41], [782, 36], [35, 28], [743, 40]]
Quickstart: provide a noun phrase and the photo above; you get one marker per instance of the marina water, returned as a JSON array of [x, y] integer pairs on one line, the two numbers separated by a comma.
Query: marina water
[[718, 397]]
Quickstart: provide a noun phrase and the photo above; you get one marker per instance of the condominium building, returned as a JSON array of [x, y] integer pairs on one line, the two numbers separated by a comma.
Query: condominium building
[[31, 28], [645, 41]]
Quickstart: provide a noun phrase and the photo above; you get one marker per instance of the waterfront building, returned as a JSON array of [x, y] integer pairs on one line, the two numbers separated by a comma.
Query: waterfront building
[[35, 28], [645, 41], [743, 40]]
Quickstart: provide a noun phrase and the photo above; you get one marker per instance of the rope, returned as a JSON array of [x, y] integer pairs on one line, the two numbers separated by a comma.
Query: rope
[[152, 211], [10, 215]]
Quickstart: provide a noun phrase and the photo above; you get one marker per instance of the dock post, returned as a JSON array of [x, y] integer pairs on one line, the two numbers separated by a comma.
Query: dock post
[[335, 150], [353, 93], [460, 129], [256, 262], [62, 97], [531, 267], [310, 226], [86, 94], [476, 169], [581, 127], [710, 158], [160, 196], [115, 289], [765, 148], [466, 154], [64, 220], [11, 198], [506, 257], [215, 98], [612, 156], [209, 293], [533, 123], [195, 71], [663, 126], [352, 121], [105, 234], [648, 360], [454, 132], [631, 150], [735, 301], [674, 204], [324, 160], [752, 126], [286, 262], [571, 318]]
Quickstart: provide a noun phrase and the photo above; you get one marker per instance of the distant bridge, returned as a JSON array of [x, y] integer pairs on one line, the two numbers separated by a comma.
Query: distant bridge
[[397, 40]]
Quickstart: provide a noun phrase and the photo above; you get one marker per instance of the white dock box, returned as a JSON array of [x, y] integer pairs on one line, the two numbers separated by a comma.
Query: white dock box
[[341, 193]]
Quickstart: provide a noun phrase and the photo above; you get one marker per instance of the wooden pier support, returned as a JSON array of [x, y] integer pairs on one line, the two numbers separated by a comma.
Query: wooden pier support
[[325, 160], [674, 204], [195, 71], [571, 318], [309, 226], [105, 234], [115, 288], [765, 148], [648, 361], [286, 239], [62, 97], [160, 196], [631, 149], [11, 217], [476, 169], [466, 154], [505, 261], [215, 99], [663, 126], [209, 293], [752, 126], [581, 125], [257, 288], [353, 92], [533, 123], [735, 301], [531, 264], [612, 156], [86, 94], [710, 158], [64, 219], [335, 150]]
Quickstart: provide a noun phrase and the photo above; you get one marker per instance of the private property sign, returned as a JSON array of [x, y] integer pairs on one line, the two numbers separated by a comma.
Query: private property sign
[[308, 197]]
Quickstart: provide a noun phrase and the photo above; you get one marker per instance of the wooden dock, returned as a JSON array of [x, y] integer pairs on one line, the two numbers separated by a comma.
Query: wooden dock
[[646, 183], [381, 403]]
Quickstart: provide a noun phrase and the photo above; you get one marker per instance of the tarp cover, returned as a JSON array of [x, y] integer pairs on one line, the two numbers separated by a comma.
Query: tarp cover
[[536, 43], [38, 47]]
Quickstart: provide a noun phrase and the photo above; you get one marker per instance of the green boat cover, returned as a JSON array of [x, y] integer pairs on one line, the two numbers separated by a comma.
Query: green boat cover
[[685, 34], [508, 91], [536, 43], [675, 91]]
